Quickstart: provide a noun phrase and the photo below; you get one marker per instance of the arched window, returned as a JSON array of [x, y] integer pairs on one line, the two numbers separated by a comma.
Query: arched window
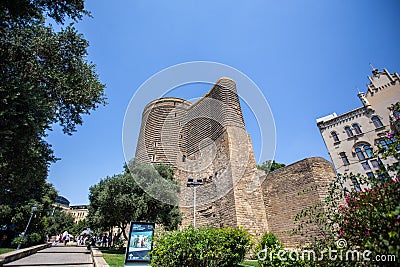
[[356, 128], [362, 149], [348, 131], [368, 151], [360, 153], [335, 136], [377, 122]]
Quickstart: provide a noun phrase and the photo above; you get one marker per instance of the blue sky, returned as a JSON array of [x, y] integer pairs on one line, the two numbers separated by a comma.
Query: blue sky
[[306, 56]]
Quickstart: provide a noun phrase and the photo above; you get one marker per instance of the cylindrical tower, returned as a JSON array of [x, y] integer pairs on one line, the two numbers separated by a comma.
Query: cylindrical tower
[[160, 139], [207, 119]]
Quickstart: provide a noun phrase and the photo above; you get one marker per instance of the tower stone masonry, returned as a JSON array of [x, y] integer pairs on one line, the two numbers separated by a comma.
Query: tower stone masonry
[[208, 140]]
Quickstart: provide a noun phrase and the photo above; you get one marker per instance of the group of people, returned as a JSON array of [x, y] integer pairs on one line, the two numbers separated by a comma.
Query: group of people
[[64, 238], [101, 240]]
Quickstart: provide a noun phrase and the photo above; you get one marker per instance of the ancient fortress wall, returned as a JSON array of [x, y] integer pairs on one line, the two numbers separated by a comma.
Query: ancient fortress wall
[[289, 190]]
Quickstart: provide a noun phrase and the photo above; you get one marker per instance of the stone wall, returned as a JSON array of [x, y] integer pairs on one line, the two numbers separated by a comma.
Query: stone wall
[[283, 200]]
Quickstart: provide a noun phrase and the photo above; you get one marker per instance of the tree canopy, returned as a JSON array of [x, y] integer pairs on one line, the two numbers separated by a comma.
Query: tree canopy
[[117, 200], [45, 79], [270, 166]]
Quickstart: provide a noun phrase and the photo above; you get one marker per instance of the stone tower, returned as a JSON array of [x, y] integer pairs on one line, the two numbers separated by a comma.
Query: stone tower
[[207, 140]]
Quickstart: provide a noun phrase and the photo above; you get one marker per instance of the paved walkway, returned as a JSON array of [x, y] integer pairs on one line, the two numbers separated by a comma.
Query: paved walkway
[[57, 256]]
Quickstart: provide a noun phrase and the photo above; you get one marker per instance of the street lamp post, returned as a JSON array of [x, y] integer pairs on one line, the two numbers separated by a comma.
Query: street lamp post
[[26, 229], [191, 182]]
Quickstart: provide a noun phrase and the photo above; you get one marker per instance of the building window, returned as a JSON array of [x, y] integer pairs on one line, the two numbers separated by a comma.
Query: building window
[[344, 158], [377, 122], [356, 128], [356, 183], [363, 149], [348, 131], [376, 163], [368, 151], [385, 143], [370, 174], [365, 166], [360, 153], [382, 176], [335, 137]]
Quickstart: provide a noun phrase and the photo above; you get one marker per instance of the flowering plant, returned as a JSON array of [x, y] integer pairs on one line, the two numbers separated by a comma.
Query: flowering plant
[[366, 215]]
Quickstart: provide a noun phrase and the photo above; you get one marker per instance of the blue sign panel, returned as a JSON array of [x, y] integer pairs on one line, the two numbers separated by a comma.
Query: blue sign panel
[[140, 242]]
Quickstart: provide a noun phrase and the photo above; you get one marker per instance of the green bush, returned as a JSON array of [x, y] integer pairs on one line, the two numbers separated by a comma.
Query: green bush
[[269, 252], [16, 241], [29, 240], [199, 247], [35, 239]]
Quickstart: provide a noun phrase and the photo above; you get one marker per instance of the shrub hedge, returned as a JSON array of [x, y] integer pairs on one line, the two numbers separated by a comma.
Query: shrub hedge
[[200, 247]]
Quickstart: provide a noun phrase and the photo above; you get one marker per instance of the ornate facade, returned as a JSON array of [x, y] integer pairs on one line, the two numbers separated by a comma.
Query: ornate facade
[[351, 137]]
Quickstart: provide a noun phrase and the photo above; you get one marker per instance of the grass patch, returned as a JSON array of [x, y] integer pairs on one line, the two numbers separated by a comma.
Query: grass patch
[[114, 258], [249, 263], [5, 250]]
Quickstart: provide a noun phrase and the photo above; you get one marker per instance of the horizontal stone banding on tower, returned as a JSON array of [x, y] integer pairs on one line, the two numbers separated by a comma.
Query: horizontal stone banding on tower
[[174, 127]]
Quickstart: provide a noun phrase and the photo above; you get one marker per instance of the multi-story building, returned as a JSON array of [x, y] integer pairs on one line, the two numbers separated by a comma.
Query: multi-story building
[[79, 212], [352, 137]]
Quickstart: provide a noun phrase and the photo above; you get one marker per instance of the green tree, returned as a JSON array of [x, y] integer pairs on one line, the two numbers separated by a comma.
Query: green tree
[[80, 227], [45, 79], [270, 166], [117, 200], [59, 222]]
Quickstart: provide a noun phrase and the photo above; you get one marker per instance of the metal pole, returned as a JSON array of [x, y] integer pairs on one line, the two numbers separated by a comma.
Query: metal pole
[[26, 229], [194, 206]]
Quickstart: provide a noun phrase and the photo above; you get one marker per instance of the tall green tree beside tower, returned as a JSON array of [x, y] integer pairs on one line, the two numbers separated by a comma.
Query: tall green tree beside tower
[[45, 79]]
